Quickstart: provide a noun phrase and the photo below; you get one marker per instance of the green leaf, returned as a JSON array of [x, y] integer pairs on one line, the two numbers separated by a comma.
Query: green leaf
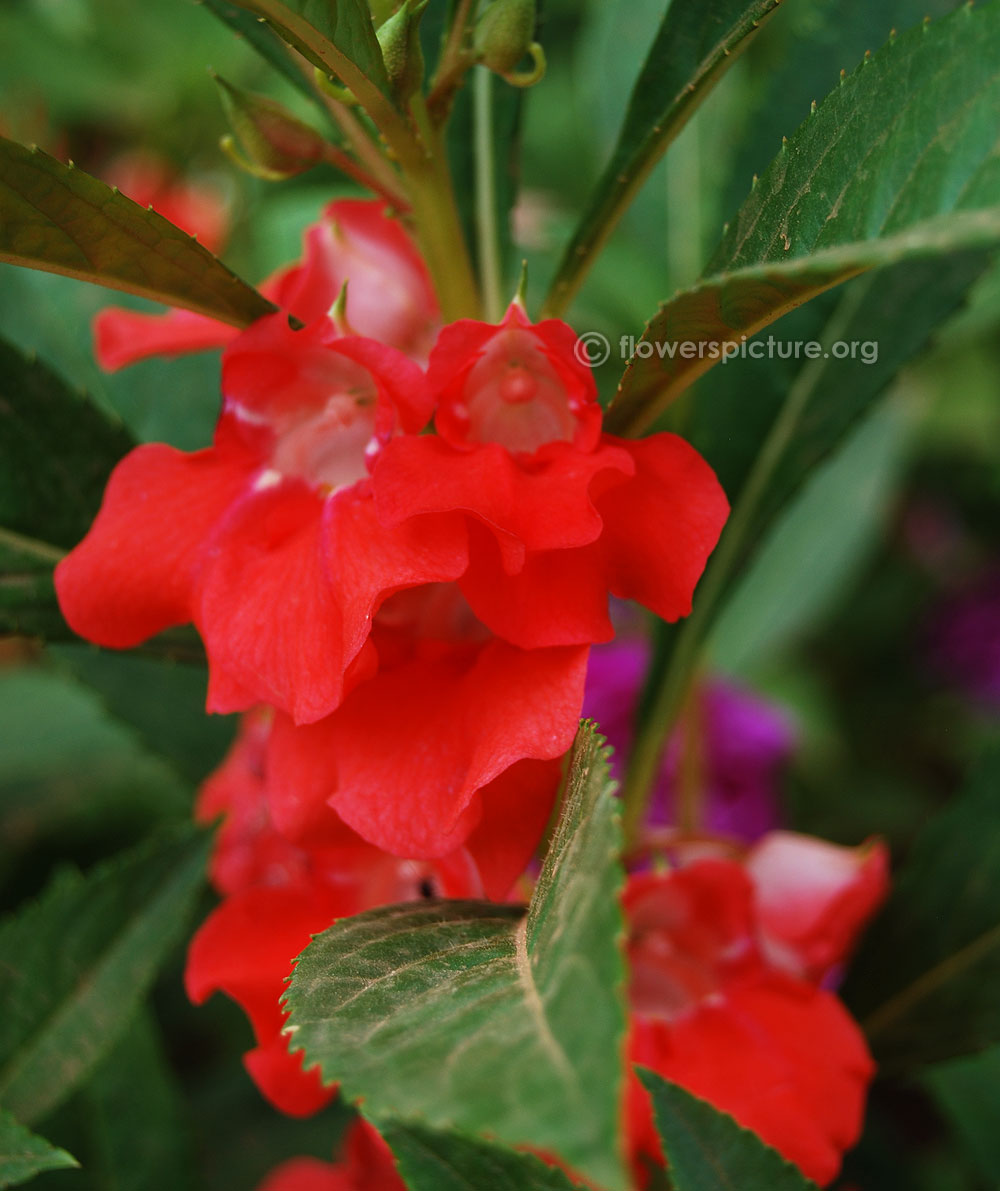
[[900, 162], [23, 1155], [466, 1015], [79, 961], [695, 45], [707, 1150], [266, 43], [57, 449], [338, 37], [430, 1160], [134, 1110], [965, 1091], [924, 981], [56, 218]]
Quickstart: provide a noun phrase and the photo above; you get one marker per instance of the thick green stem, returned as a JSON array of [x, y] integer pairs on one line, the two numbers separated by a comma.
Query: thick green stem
[[486, 206], [439, 229]]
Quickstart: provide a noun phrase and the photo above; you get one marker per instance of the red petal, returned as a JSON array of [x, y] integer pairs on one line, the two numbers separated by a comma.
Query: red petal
[[266, 611], [782, 1057], [413, 746], [661, 526], [282, 1081], [133, 574], [516, 806], [546, 505], [122, 337]]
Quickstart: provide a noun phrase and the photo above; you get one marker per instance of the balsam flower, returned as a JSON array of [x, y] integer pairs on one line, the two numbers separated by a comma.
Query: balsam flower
[[268, 540], [560, 515], [390, 297], [726, 957]]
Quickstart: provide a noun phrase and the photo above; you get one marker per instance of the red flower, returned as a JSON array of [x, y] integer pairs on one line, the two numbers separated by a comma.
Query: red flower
[[366, 1164], [389, 298], [449, 738], [268, 540], [279, 893], [560, 515], [712, 1012]]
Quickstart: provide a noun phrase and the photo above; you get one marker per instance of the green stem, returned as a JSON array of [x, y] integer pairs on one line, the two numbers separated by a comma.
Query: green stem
[[44, 551], [439, 228], [454, 62], [486, 207], [678, 676]]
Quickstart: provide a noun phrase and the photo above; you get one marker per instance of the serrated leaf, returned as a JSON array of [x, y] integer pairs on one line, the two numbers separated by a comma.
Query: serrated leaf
[[924, 981], [338, 37], [707, 1150], [697, 42], [430, 1160], [466, 1015], [57, 218], [900, 162], [265, 42], [23, 1155], [79, 960]]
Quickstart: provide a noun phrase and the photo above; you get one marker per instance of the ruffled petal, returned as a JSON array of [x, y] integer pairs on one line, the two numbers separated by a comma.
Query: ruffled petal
[[123, 337], [266, 611], [133, 574], [282, 1080], [661, 526], [404, 757], [545, 505]]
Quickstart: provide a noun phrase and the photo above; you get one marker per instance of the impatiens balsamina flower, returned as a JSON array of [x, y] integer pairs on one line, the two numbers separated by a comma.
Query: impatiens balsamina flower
[[726, 962], [559, 514], [390, 295], [278, 894], [365, 1164], [268, 540]]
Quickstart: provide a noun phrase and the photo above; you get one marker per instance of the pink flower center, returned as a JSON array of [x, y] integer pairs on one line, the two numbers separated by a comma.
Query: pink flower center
[[515, 397]]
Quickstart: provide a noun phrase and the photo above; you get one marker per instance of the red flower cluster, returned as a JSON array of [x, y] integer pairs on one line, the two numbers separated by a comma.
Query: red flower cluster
[[398, 551], [417, 608], [728, 959]]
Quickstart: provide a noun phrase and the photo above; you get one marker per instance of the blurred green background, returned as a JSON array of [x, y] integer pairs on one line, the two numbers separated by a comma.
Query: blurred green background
[[868, 611]]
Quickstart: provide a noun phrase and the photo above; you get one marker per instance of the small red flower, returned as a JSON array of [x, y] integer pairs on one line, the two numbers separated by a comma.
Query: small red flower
[[390, 297], [365, 1164], [713, 1011], [268, 540], [560, 515]]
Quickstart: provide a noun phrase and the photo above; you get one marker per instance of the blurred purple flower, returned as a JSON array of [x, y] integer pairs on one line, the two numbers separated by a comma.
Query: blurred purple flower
[[746, 741], [965, 641]]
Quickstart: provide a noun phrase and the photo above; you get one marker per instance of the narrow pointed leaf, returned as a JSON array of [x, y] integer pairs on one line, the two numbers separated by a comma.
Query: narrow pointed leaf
[[337, 36], [79, 961], [695, 45], [924, 981], [23, 1155], [707, 1150], [57, 449], [899, 162], [430, 1160], [466, 1015], [57, 218]]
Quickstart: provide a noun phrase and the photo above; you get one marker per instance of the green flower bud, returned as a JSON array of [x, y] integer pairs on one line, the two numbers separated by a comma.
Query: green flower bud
[[275, 143], [504, 34], [399, 38]]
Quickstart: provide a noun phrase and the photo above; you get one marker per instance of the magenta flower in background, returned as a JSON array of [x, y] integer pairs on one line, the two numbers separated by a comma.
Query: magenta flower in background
[[965, 641], [746, 741]]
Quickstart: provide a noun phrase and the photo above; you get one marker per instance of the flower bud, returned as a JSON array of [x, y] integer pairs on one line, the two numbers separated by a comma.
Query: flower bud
[[504, 34], [276, 144], [399, 38]]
